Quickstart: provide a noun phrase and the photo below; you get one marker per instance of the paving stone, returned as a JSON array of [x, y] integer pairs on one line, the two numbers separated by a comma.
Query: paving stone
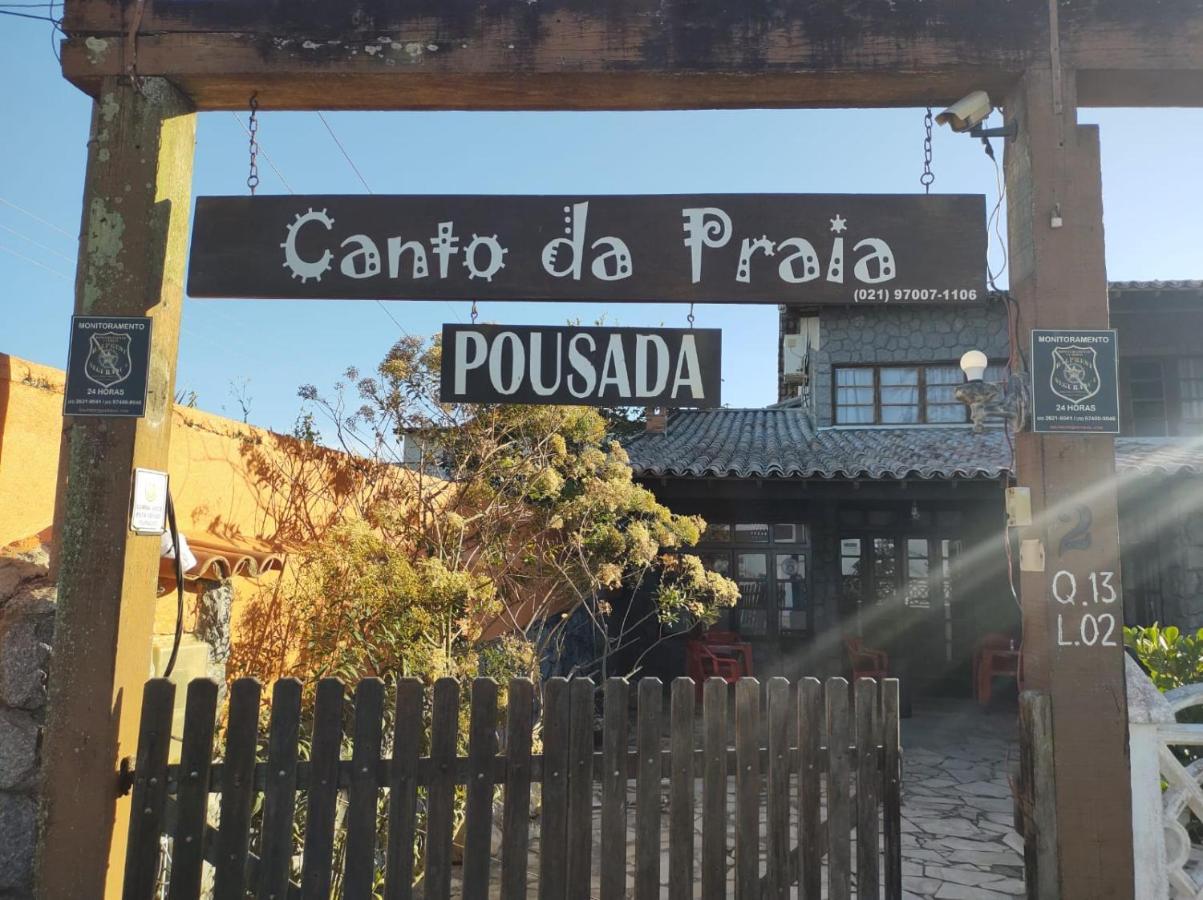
[[960, 874], [987, 858], [965, 892], [925, 886], [953, 827]]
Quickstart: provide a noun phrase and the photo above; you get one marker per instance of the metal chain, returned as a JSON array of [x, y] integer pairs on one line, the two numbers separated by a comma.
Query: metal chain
[[252, 180], [928, 176], [689, 318], [475, 312]]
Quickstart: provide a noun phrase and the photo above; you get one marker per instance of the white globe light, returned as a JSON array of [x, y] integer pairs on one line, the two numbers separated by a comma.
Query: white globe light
[[973, 364]]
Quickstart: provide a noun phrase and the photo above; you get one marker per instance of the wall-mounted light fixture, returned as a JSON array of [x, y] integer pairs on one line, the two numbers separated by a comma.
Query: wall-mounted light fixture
[[1007, 400]]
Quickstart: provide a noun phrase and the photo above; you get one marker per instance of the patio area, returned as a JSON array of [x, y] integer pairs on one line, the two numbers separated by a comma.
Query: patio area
[[957, 834]]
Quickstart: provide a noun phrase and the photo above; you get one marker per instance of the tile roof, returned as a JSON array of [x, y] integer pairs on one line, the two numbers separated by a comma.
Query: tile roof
[[766, 443], [1180, 285], [783, 443], [1164, 456]]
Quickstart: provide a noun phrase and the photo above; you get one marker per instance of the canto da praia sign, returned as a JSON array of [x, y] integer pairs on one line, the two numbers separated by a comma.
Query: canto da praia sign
[[737, 248]]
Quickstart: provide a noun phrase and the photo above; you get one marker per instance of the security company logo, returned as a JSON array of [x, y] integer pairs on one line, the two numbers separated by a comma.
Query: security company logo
[[1075, 375], [108, 361]]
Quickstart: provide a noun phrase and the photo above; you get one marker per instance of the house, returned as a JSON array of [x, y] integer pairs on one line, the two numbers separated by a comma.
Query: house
[[862, 504]]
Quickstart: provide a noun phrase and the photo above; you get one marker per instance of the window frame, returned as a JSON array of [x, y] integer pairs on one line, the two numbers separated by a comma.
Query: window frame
[[1173, 397], [772, 549], [921, 386]]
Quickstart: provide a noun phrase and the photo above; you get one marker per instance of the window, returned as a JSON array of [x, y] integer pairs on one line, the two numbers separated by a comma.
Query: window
[[918, 587], [1162, 397], [1146, 398], [903, 395], [1190, 393], [768, 564]]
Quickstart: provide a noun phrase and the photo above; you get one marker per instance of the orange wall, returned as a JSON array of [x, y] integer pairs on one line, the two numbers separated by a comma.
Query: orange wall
[[232, 483]]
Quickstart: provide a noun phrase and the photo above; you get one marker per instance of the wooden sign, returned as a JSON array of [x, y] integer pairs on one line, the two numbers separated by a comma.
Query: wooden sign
[[732, 248], [577, 366]]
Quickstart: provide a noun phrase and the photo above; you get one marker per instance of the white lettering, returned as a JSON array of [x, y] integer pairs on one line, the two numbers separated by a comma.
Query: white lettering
[[689, 359], [615, 263], [614, 369], [575, 219], [367, 251], [396, 249], [882, 255], [517, 363], [705, 226], [496, 257], [445, 245], [643, 344], [462, 363], [835, 266], [749, 248], [536, 364], [804, 252], [581, 366]]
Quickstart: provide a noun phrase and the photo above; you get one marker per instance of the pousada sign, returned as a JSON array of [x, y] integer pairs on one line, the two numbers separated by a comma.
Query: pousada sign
[[582, 366], [717, 248]]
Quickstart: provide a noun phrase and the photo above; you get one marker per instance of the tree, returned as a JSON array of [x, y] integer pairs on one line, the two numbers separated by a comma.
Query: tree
[[518, 517]]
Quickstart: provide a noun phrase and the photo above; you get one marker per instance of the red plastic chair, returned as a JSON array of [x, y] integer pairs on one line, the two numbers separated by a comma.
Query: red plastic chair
[[997, 656], [866, 662], [730, 645], [703, 663]]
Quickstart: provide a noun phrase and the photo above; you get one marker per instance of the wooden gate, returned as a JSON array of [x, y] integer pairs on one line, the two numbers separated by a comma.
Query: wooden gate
[[770, 802]]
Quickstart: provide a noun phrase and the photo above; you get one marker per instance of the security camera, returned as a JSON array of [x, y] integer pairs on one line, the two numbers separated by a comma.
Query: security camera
[[968, 112]]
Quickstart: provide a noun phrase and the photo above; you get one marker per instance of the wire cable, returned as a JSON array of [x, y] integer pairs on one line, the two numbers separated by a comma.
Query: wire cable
[[38, 219], [367, 187], [21, 15], [346, 155], [37, 244], [30, 259], [263, 153]]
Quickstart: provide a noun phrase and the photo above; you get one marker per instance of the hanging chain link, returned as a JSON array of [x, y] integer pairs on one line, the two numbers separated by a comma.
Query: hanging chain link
[[928, 176], [252, 180], [475, 312], [689, 318]]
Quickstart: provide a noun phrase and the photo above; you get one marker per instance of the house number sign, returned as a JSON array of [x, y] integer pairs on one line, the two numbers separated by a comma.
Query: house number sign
[[1086, 614], [727, 248]]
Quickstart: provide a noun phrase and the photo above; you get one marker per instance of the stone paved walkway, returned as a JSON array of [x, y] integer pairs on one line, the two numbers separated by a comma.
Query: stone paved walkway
[[957, 839]]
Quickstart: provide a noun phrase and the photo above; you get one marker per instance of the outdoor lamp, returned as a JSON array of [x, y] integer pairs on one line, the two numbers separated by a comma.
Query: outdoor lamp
[[973, 364], [1005, 400]]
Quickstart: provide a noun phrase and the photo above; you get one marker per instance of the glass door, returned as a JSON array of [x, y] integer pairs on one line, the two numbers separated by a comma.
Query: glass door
[[896, 593], [768, 562]]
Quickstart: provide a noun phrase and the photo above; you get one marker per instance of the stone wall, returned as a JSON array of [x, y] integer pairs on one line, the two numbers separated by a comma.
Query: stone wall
[[27, 603], [897, 334]]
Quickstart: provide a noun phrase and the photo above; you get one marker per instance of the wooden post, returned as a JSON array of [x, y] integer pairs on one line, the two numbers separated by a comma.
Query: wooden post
[[1058, 279], [131, 262]]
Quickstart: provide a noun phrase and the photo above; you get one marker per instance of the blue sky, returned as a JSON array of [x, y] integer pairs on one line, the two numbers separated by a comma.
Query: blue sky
[[1153, 198]]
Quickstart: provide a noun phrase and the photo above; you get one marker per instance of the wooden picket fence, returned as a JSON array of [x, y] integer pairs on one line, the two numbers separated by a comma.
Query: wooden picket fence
[[801, 758]]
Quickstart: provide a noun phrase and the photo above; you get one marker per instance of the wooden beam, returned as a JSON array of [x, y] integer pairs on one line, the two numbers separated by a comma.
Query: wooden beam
[[632, 54], [131, 262], [1059, 280]]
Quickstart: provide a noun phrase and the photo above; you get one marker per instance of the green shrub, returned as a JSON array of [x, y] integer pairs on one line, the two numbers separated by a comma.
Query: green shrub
[[1172, 657]]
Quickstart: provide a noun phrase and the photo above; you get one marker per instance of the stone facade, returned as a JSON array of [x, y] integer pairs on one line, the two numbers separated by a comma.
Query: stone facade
[[27, 603], [893, 334]]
